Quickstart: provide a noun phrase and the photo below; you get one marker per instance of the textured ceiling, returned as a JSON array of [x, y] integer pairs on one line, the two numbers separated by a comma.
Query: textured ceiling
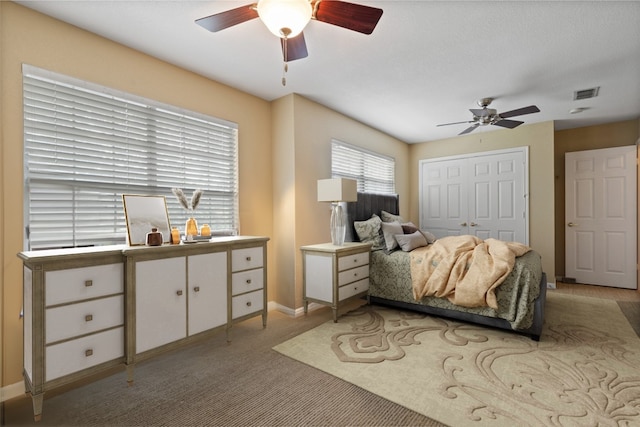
[[427, 62]]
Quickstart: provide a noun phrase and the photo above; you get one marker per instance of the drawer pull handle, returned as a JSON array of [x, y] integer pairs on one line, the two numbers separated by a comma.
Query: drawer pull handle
[[88, 283], [88, 318], [248, 281], [355, 260], [88, 353], [248, 303], [248, 258], [196, 289], [355, 274], [179, 293]]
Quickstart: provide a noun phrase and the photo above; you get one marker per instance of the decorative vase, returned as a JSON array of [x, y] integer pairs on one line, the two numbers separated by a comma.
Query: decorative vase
[[191, 227], [175, 235], [205, 230], [338, 225]]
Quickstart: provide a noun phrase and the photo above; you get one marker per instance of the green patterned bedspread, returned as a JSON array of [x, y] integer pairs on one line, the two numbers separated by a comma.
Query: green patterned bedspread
[[390, 278]]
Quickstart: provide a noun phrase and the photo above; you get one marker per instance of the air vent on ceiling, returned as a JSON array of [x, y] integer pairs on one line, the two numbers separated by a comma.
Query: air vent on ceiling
[[586, 93]]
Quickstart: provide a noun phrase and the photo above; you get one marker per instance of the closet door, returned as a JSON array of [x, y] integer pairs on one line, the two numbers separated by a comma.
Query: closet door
[[482, 194]]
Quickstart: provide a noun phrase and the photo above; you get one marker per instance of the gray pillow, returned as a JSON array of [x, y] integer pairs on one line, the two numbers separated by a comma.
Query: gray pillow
[[389, 217], [369, 232], [410, 228], [389, 230], [409, 242]]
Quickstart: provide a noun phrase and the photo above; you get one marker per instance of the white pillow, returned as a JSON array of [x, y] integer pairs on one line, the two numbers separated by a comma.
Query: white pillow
[[409, 242], [389, 217], [369, 232], [389, 230]]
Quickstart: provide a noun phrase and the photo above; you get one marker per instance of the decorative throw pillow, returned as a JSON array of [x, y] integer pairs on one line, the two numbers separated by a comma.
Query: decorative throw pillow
[[389, 230], [409, 242], [369, 232], [389, 217], [410, 228]]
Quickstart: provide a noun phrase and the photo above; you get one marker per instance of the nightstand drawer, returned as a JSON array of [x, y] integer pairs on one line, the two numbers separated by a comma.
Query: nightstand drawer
[[242, 305], [245, 259], [72, 320], [77, 284], [355, 274], [247, 281], [352, 289], [355, 260], [73, 356]]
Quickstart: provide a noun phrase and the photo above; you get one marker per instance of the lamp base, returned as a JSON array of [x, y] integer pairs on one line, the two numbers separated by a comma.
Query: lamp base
[[338, 225]]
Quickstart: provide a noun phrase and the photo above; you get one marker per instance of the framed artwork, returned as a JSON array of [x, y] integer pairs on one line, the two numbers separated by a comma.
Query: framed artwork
[[142, 213]]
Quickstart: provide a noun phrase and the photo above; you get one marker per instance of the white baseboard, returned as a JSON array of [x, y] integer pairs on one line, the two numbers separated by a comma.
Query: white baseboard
[[551, 285], [290, 311], [12, 390]]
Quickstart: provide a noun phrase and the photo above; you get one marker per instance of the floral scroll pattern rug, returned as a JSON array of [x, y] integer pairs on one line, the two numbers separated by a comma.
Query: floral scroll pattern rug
[[584, 371]]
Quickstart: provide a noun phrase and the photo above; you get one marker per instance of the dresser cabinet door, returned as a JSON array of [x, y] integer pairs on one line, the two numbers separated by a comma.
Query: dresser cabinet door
[[207, 291], [161, 302]]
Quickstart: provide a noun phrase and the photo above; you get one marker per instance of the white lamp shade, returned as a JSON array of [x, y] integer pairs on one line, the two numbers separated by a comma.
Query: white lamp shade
[[285, 17], [337, 190]]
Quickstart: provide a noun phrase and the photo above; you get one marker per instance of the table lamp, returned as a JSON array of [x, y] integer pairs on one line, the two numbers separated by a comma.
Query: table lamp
[[336, 190]]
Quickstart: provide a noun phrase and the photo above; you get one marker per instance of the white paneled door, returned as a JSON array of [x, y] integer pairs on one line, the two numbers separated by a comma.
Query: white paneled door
[[483, 194], [600, 216]]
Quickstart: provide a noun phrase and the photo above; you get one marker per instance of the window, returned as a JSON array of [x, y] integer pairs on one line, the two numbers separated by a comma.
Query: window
[[86, 145], [374, 172]]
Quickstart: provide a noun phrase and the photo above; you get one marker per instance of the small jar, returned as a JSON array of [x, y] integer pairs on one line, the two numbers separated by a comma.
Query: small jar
[[205, 230], [154, 237], [175, 235]]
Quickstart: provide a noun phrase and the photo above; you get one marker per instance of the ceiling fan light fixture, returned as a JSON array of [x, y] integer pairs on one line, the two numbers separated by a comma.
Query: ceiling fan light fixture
[[285, 18]]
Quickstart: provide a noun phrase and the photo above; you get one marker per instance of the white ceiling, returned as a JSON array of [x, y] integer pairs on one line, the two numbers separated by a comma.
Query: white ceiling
[[427, 62]]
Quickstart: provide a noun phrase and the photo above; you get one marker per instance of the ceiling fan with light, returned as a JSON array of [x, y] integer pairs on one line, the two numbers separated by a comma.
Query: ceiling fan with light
[[287, 18], [489, 116]]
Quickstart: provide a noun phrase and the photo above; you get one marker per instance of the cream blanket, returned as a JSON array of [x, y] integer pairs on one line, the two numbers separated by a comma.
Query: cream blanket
[[464, 269]]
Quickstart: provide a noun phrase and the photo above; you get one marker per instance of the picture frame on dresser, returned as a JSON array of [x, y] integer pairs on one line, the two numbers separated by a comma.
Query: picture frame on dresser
[[142, 213]]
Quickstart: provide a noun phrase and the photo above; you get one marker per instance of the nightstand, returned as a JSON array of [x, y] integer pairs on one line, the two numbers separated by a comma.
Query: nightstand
[[333, 274]]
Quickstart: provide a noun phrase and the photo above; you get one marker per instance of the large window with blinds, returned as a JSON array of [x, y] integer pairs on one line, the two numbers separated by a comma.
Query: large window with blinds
[[85, 146], [374, 172]]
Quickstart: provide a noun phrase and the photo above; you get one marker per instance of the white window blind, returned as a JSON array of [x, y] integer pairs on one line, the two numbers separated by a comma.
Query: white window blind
[[86, 145], [374, 172]]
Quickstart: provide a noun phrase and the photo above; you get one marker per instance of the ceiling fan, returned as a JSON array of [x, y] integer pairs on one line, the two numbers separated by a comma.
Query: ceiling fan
[[489, 116], [287, 18]]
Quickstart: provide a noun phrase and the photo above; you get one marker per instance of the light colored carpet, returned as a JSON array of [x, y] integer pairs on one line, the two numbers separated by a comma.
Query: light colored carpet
[[584, 371]]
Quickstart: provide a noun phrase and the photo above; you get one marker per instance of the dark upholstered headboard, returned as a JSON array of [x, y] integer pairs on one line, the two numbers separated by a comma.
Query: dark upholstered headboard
[[367, 205]]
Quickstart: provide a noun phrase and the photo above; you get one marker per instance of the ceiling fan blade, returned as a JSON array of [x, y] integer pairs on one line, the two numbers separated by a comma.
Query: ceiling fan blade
[[362, 19], [469, 129], [294, 48], [508, 123], [229, 18], [454, 123], [520, 111]]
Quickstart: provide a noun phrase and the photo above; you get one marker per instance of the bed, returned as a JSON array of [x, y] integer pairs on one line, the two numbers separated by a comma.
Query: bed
[[520, 298]]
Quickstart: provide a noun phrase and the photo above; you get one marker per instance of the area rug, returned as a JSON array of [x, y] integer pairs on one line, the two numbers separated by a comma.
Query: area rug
[[585, 370]]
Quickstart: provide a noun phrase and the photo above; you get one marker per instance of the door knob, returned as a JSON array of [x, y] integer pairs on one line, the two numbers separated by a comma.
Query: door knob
[[473, 224], [464, 224], [572, 224]]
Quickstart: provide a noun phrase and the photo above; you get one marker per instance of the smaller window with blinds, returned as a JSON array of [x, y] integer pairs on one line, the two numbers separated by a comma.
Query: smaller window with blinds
[[374, 172]]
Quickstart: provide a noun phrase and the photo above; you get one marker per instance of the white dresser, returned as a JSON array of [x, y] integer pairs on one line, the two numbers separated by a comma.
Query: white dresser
[[91, 309], [332, 274], [74, 316]]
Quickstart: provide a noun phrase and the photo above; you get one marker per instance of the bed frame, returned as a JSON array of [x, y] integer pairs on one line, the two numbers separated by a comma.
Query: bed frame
[[369, 204]]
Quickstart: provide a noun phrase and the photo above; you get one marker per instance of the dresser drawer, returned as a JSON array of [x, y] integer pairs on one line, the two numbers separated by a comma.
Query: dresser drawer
[[355, 274], [73, 356], [244, 304], [352, 289], [245, 259], [77, 284], [72, 320], [247, 281], [355, 260]]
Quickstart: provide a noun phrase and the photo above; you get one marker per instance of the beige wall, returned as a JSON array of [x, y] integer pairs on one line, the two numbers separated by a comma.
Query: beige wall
[[302, 219], [540, 140], [586, 138], [32, 38]]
